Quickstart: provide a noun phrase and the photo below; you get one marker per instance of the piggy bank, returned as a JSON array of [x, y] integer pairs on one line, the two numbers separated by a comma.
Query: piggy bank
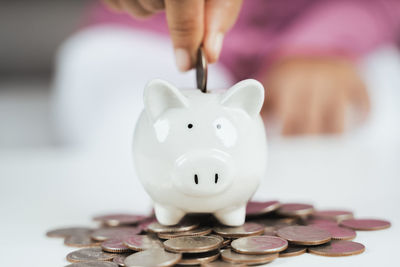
[[198, 152]]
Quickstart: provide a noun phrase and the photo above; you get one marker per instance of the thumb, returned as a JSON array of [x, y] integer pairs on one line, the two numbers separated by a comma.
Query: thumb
[[186, 25]]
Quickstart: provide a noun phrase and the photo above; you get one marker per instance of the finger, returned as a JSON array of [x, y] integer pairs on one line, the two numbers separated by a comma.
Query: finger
[[334, 102], [360, 98], [287, 105], [134, 8], [152, 6], [113, 4], [186, 25], [312, 109], [220, 15]]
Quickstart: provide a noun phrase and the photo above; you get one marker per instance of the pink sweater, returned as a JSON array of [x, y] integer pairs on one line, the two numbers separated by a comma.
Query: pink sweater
[[267, 29]]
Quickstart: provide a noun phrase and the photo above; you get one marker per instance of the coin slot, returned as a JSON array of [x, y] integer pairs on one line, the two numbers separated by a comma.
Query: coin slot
[[216, 178], [196, 179]]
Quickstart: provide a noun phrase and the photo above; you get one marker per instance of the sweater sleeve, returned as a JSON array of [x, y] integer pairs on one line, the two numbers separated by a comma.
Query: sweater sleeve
[[342, 27]]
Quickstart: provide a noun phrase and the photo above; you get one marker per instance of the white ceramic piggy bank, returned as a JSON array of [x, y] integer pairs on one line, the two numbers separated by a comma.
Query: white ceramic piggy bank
[[200, 152]]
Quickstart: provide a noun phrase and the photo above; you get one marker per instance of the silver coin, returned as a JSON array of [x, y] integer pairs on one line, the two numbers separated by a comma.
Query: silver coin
[[80, 241], [304, 235], [89, 254], [336, 215], [199, 258], [247, 229], [93, 264], [153, 257], [69, 231], [114, 245], [255, 208], [142, 242], [119, 259], [202, 230], [193, 244], [295, 209], [233, 257], [220, 263], [259, 244], [183, 226], [201, 70], [120, 219], [114, 232], [292, 250]]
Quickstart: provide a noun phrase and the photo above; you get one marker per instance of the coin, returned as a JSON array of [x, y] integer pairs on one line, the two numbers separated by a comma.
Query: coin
[[304, 235], [365, 224], [142, 242], [89, 254], [201, 70], [143, 226], [339, 233], [254, 208], [198, 258], [292, 250], [338, 248], [220, 263], [114, 245], [336, 215], [295, 209], [114, 232], [192, 244], [259, 244], [80, 241], [119, 259], [202, 230], [70, 231], [119, 219], [183, 226], [233, 257], [153, 257], [313, 221], [247, 229], [93, 264]]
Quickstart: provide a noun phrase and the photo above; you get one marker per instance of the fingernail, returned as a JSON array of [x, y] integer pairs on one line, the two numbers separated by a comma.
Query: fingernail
[[182, 59], [219, 37]]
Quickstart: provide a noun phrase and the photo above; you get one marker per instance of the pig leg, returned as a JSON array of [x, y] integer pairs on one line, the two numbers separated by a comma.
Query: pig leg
[[232, 216], [167, 215]]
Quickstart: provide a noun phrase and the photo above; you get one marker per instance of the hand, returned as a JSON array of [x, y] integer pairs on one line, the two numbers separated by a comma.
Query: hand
[[190, 22], [311, 95]]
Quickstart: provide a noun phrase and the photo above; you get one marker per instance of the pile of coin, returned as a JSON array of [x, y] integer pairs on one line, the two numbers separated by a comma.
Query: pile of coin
[[271, 230]]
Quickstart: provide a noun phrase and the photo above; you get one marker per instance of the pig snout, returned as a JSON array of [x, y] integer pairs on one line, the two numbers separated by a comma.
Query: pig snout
[[203, 173]]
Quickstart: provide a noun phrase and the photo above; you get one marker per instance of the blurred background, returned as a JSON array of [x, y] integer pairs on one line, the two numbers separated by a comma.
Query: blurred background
[[58, 169]]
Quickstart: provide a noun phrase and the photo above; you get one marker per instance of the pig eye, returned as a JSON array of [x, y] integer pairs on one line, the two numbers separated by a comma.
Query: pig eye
[[218, 126], [190, 126]]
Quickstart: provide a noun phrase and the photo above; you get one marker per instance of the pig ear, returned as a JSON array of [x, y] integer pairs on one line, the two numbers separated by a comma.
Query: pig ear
[[159, 96], [247, 95]]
